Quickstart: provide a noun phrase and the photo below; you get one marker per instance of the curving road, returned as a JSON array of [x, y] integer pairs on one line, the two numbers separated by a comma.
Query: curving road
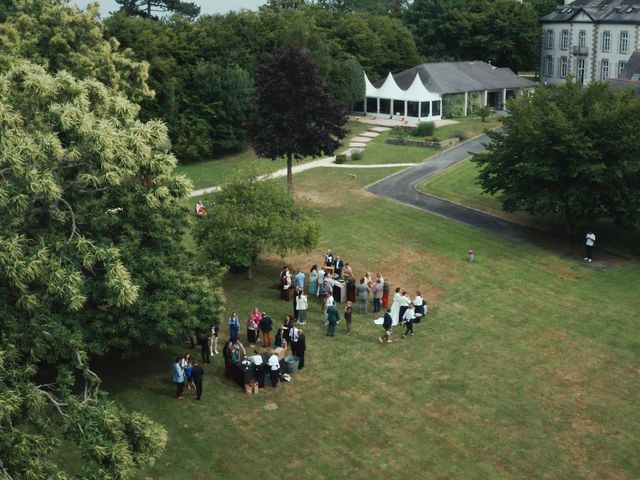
[[402, 187]]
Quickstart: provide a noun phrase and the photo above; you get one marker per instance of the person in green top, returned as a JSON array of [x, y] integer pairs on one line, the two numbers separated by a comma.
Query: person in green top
[[332, 318]]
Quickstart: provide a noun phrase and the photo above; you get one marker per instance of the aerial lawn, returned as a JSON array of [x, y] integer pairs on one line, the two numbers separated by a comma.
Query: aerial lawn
[[214, 172], [379, 152], [526, 367]]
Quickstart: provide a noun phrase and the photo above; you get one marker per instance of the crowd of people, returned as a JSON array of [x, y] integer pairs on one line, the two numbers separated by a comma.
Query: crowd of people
[[267, 350]]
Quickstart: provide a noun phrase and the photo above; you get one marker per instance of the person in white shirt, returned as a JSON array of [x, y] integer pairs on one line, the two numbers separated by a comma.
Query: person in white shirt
[[302, 305], [274, 363], [590, 240], [330, 301], [407, 318], [404, 304]]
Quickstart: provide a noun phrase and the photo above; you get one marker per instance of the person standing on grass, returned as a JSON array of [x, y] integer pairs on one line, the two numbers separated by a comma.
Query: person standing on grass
[[213, 341], [302, 305], [203, 341], [313, 280], [387, 323], [590, 241], [299, 279], [348, 311], [234, 327], [377, 295], [332, 318], [301, 348], [408, 317], [295, 303], [362, 293], [404, 304], [385, 293], [266, 325], [196, 374], [252, 327], [178, 378]]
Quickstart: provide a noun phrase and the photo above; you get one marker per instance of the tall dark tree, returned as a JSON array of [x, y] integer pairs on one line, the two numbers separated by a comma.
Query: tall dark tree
[[503, 32], [428, 21], [568, 151], [296, 116], [149, 8]]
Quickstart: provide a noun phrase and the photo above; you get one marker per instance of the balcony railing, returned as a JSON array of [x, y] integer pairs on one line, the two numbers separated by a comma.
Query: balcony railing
[[580, 51]]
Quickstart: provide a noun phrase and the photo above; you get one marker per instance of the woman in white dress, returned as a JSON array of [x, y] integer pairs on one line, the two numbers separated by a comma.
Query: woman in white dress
[[395, 307]]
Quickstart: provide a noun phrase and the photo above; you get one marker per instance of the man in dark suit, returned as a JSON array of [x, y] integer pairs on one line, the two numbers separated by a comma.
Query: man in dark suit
[[196, 374], [339, 265], [301, 347], [386, 324]]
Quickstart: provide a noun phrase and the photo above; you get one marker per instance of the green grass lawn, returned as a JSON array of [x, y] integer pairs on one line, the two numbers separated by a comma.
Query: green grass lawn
[[526, 367], [214, 172], [471, 126], [379, 152]]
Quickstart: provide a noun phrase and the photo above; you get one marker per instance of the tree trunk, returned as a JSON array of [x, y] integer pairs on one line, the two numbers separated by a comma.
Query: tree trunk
[[290, 173], [250, 272], [149, 8]]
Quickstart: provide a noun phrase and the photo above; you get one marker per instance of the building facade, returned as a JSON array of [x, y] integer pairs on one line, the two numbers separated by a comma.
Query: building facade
[[590, 40], [420, 92]]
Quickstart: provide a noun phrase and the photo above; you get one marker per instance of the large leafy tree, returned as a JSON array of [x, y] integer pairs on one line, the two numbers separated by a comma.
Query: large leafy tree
[[59, 36], [69, 149], [150, 8], [296, 116], [503, 32], [568, 151], [428, 21], [253, 215], [346, 80]]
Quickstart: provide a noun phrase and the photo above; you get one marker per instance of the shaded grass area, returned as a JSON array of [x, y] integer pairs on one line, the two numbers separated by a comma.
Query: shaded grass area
[[471, 126], [214, 172], [526, 366]]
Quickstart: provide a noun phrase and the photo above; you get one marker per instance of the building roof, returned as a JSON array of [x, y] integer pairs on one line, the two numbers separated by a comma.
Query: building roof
[[630, 75], [459, 77], [597, 11], [631, 71]]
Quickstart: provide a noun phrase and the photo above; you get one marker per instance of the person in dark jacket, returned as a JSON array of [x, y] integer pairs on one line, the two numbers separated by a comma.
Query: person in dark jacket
[[386, 324], [332, 318], [301, 348], [266, 325], [196, 374]]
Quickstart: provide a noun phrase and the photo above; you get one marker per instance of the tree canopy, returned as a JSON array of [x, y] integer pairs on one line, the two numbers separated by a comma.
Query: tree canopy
[[59, 37], [503, 32], [252, 216], [296, 116], [148, 8], [69, 148], [568, 151]]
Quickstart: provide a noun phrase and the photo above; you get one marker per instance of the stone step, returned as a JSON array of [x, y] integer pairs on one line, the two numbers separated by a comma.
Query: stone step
[[379, 129], [369, 134], [361, 139], [357, 145]]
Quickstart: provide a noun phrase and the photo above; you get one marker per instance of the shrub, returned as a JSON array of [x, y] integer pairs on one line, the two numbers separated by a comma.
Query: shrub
[[356, 155], [341, 158], [460, 134], [435, 139], [484, 112], [424, 129]]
